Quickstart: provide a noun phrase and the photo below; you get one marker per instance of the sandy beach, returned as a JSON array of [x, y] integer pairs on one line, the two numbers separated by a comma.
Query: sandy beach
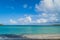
[[43, 36]]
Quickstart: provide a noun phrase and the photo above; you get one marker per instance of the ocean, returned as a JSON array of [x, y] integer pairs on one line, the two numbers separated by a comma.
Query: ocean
[[29, 29]]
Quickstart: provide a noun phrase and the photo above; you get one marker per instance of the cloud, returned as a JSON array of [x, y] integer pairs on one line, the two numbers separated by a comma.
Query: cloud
[[25, 6], [12, 21], [45, 6], [25, 20], [49, 8], [50, 11], [33, 19], [57, 5], [42, 20]]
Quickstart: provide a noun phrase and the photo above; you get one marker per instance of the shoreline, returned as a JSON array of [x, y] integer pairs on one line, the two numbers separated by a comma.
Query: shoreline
[[43, 36], [30, 36]]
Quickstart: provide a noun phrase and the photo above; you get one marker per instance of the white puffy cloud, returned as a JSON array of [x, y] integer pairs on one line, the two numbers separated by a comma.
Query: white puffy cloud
[[50, 9], [12, 21], [48, 4], [34, 19], [25, 20], [28, 19], [45, 6], [42, 20], [44, 15]]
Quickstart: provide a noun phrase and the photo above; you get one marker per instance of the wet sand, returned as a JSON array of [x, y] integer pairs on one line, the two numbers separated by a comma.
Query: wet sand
[[43, 36]]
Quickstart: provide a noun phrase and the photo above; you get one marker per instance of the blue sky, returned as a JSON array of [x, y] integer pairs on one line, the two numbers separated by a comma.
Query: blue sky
[[18, 12]]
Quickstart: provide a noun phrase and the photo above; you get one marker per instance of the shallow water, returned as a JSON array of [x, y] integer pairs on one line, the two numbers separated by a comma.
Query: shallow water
[[29, 29]]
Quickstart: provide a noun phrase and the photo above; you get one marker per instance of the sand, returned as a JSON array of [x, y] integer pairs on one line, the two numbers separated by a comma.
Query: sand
[[43, 36]]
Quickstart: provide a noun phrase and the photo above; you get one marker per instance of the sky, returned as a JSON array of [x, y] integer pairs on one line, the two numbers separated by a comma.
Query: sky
[[29, 12]]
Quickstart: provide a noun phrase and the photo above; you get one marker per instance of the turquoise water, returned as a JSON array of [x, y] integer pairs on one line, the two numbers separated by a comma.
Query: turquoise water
[[29, 29]]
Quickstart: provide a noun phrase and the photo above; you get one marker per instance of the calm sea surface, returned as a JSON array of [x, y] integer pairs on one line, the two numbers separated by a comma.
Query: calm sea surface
[[29, 29]]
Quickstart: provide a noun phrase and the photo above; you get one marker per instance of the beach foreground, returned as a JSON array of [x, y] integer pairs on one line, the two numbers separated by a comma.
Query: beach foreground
[[43, 36], [30, 37]]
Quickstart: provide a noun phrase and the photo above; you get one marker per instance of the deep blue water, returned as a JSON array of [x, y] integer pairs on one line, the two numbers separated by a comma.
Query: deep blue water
[[29, 29]]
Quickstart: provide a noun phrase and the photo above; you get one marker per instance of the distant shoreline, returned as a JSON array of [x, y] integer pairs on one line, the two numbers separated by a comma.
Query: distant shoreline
[[29, 25], [1, 24], [32, 25]]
